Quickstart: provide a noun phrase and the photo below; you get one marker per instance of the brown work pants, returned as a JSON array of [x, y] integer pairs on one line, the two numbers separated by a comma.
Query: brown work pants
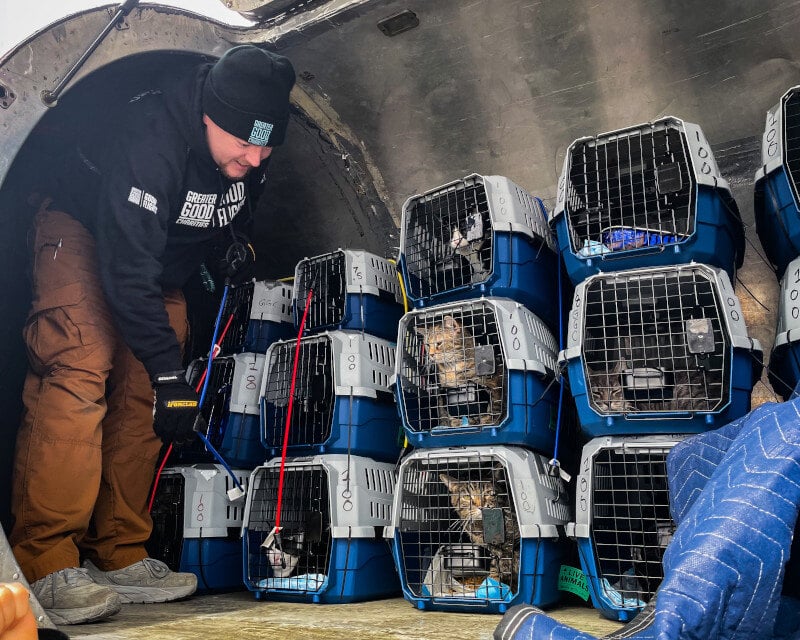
[[86, 451]]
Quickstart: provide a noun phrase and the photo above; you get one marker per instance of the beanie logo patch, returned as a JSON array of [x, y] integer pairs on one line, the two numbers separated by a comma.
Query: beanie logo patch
[[260, 133]]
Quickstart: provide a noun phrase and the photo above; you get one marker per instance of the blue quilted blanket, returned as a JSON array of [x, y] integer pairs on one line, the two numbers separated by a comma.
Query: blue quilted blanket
[[735, 496]]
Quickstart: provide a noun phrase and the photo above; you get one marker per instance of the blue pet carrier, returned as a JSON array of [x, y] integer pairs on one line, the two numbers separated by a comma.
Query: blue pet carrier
[[477, 372], [659, 350], [622, 520], [784, 362], [342, 402], [645, 196], [240, 444], [197, 518], [353, 290], [479, 236], [777, 211], [214, 410], [262, 314], [329, 549], [477, 529]]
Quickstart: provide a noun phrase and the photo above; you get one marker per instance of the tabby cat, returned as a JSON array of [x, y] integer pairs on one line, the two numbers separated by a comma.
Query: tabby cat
[[693, 388], [468, 499], [450, 347]]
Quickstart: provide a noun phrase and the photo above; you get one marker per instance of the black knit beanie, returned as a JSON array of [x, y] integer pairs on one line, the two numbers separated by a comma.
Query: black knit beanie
[[246, 93]]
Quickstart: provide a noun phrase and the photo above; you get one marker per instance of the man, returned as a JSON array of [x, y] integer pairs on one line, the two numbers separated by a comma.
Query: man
[[134, 212]]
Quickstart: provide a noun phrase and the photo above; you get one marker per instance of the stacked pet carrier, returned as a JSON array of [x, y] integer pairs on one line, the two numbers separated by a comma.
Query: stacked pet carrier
[[656, 343], [777, 213], [476, 517], [197, 509], [316, 510], [784, 362], [197, 526]]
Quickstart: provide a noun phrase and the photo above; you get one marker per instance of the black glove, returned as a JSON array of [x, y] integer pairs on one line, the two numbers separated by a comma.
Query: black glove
[[239, 263], [176, 413]]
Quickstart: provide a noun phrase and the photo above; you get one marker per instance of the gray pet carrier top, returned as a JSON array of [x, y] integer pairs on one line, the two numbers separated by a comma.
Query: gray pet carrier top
[[248, 371], [337, 274], [201, 497], [354, 493], [260, 300], [657, 340], [643, 177]]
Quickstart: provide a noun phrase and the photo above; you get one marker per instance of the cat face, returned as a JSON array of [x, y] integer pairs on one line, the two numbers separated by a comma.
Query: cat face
[[468, 235], [443, 340], [468, 498], [283, 561]]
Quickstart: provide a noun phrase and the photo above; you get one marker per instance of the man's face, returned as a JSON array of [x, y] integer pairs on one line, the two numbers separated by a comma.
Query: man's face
[[234, 157]]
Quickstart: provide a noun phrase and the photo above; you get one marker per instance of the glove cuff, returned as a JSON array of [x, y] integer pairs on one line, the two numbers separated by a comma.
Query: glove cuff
[[169, 377]]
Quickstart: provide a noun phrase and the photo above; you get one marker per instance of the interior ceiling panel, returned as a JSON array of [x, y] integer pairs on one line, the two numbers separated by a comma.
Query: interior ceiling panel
[[505, 86]]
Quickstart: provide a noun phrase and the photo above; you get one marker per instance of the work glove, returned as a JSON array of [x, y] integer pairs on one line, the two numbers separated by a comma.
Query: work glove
[[176, 412], [239, 263]]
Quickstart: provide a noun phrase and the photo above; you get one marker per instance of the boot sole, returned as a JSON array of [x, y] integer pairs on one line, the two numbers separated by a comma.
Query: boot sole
[[146, 595], [85, 614]]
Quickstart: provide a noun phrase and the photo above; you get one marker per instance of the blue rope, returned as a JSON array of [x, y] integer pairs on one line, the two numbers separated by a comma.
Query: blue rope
[[205, 440], [543, 210]]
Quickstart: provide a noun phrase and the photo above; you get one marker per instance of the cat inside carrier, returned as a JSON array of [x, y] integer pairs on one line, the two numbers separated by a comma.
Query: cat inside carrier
[[298, 560], [456, 361], [459, 539], [650, 348], [624, 523], [448, 239], [456, 382], [655, 344], [481, 235], [340, 395], [196, 527], [332, 511]]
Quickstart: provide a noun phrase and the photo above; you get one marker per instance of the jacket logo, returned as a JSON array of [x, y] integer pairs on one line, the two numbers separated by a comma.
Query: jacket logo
[[206, 210], [260, 133], [143, 199]]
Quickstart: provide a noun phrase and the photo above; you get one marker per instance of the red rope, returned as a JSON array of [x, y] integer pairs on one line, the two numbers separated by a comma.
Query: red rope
[[289, 410], [217, 348], [158, 476]]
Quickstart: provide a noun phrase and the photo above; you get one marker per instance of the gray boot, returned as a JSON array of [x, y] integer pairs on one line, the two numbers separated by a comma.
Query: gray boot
[[70, 596], [148, 580]]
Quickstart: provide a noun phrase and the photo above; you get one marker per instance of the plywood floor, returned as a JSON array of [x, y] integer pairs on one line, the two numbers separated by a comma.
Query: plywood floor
[[238, 616]]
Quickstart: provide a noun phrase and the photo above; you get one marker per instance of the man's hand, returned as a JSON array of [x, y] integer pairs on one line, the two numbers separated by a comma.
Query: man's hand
[[240, 260], [176, 408]]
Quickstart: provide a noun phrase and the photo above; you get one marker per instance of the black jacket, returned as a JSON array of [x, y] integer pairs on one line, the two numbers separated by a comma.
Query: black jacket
[[146, 187]]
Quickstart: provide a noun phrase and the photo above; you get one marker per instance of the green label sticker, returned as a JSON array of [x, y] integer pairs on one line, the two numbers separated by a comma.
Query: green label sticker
[[573, 580]]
